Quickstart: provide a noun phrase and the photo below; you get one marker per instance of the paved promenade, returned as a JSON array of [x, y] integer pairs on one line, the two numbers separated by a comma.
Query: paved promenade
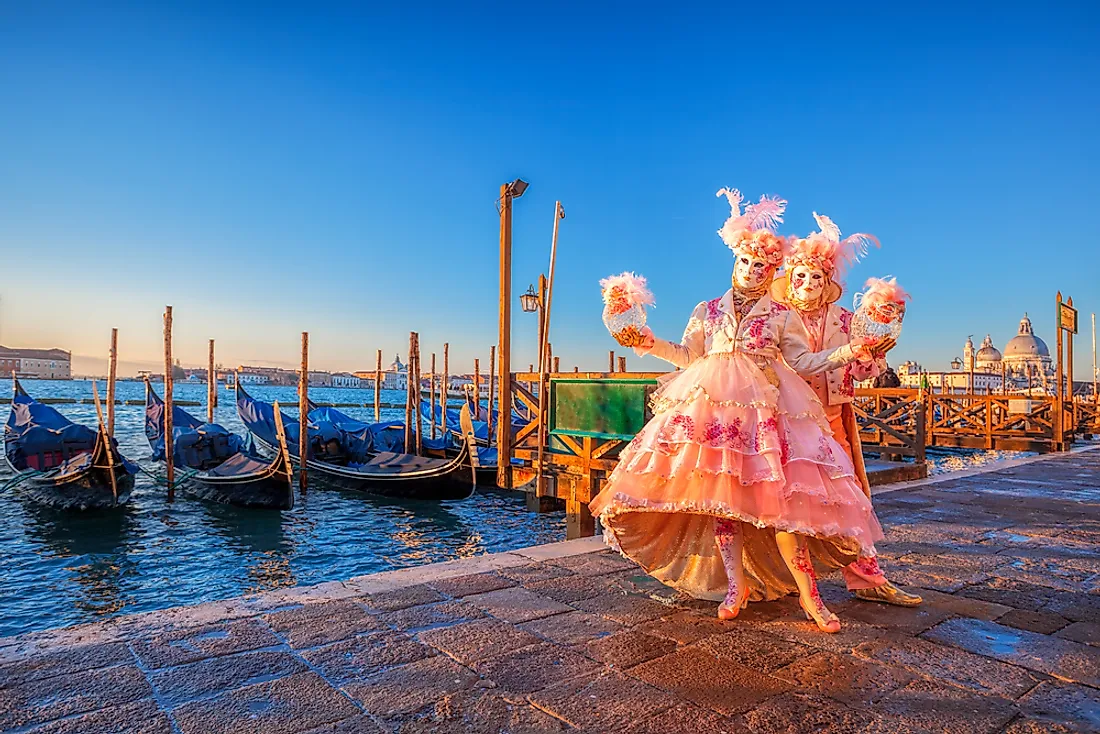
[[570, 637]]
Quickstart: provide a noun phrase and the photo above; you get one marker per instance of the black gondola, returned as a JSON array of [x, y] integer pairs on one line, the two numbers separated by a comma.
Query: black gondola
[[226, 472], [354, 464], [66, 465]]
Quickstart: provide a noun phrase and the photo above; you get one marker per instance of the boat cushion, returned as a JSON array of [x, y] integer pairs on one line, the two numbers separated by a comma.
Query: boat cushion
[[239, 465]]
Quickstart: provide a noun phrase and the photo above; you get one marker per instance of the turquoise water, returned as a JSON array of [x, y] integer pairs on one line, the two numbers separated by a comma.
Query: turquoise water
[[61, 569]]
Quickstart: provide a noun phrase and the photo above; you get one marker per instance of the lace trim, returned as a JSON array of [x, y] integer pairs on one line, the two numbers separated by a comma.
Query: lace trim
[[624, 504], [831, 469]]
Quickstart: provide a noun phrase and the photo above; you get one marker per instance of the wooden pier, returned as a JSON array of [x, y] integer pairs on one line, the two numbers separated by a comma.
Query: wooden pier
[[592, 415]]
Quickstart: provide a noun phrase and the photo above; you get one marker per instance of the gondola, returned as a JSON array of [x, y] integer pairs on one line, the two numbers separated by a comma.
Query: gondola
[[459, 428], [226, 472], [352, 455], [65, 465]]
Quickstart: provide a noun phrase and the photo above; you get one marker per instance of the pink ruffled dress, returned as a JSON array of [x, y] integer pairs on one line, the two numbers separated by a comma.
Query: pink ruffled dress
[[736, 434]]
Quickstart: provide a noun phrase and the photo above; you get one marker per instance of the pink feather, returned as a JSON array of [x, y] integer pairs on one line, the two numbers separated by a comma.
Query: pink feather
[[882, 290], [765, 214], [632, 288]]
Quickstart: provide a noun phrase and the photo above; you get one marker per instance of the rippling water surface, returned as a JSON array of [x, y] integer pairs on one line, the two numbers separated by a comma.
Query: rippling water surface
[[67, 568]]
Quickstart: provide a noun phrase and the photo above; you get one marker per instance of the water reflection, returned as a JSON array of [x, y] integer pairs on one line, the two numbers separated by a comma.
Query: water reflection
[[93, 546], [259, 540]]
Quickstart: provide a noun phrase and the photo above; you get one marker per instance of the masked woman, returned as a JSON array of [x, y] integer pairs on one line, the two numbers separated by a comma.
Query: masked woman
[[809, 285], [737, 468]]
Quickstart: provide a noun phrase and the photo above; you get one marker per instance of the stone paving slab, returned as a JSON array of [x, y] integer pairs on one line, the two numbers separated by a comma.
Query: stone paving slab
[[570, 637]]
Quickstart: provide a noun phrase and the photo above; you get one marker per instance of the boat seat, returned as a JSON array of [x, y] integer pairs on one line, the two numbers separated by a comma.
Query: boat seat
[[390, 461]]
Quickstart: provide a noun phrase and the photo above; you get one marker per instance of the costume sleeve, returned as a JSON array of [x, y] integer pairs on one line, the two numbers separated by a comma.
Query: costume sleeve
[[691, 346], [795, 346]]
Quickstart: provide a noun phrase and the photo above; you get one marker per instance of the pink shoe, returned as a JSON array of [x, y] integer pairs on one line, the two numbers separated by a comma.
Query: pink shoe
[[829, 624], [730, 608]]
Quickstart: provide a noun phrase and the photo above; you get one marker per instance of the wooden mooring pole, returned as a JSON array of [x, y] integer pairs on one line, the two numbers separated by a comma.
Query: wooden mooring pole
[[431, 393], [477, 389], [112, 371], [611, 361], [303, 416], [492, 389], [409, 441], [416, 400], [169, 459], [211, 385], [622, 364], [378, 389], [443, 383]]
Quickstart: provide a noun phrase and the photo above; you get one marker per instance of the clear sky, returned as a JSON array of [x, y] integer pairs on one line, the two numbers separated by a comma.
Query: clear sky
[[269, 168]]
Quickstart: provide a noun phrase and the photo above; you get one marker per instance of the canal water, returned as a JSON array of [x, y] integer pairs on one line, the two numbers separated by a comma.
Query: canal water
[[65, 568], [60, 569]]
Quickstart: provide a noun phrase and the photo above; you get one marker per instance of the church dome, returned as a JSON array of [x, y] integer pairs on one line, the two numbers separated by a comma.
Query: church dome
[[988, 352], [1025, 345]]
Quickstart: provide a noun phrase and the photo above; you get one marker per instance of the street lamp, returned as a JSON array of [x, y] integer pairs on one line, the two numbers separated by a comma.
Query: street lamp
[[517, 187], [530, 301], [956, 364]]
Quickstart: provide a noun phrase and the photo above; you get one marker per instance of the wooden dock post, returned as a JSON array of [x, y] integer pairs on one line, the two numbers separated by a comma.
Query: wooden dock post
[[557, 364], [169, 459], [477, 389], [492, 389], [409, 441], [611, 361], [303, 416], [443, 385], [622, 364], [416, 400], [1058, 423], [112, 371], [211, 385], [431, 393], [508, 192], [378, 389], [1069, 371]]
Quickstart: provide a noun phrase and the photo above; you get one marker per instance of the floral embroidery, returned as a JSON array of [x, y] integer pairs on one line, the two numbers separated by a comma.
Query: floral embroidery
[[802, 562], [713, 312], [680, 428], [845, 321], [719, 434], [714, 432], [867, 566], [785, 447], [755, 337], [824, 453], [847, 384], [734, 437]]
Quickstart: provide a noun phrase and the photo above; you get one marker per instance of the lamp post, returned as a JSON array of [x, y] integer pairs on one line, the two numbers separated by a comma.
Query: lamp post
[[508, 192]]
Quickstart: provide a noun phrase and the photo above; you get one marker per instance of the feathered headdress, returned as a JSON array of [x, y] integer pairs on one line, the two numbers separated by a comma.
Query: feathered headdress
[[753, 231], [825, 250], [882, 290]]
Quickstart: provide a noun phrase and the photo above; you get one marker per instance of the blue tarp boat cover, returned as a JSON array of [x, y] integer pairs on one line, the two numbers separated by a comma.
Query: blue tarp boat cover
[[333, 436], [195, 444], [36, 436]]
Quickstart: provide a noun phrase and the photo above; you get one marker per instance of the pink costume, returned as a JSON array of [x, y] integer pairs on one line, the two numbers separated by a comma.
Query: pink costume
[[738, 441]]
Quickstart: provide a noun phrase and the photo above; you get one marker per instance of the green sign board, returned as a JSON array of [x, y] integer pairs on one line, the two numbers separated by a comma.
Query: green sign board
[[601, 408]]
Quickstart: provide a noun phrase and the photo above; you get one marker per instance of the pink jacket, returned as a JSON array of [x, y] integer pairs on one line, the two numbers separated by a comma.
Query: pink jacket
[[838, 327], [768, 331]]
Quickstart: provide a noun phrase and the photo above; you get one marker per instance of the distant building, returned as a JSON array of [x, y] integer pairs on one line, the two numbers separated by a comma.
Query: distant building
[[318, 378], [345, 379], [253, 378], [41, 364], [394, 377]]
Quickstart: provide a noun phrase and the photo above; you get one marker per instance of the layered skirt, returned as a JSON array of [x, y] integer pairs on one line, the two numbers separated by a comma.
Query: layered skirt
[[734, 439]]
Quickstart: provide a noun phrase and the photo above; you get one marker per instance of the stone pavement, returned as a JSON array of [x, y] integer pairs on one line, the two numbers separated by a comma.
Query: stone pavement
[[569, 636]]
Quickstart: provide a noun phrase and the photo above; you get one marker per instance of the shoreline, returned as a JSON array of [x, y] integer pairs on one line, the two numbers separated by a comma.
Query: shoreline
[[126, 626]]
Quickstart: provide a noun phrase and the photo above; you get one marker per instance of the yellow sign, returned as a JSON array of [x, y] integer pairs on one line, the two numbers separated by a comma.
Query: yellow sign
[[1067, 318]]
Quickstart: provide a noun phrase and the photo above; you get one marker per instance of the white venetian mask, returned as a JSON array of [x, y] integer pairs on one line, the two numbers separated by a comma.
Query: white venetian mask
[[751, 272], [807, 283]]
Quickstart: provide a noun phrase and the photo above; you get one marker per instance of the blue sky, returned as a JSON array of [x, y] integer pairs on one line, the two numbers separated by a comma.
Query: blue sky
[[274, 168]]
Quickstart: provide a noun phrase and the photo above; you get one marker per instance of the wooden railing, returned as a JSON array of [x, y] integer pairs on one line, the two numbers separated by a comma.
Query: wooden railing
[[895, 423], [891, 422]]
